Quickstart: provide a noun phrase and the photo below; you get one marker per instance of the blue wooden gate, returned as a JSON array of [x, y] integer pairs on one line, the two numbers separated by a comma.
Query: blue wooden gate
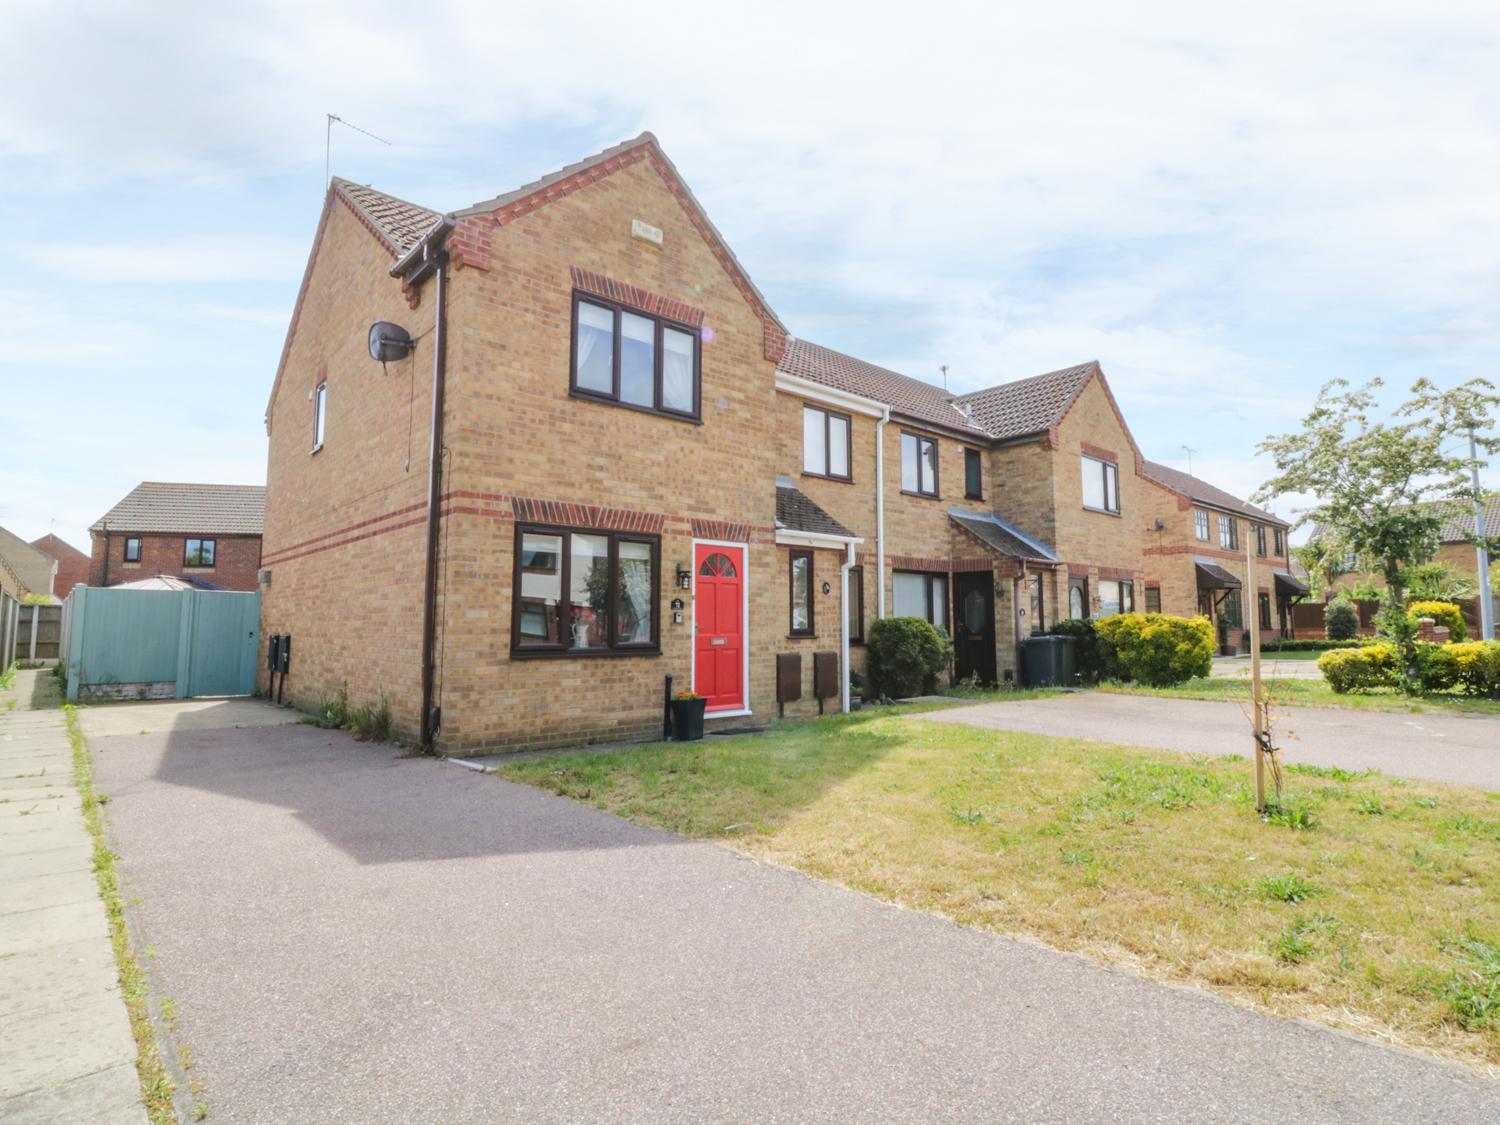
[[160, 643]]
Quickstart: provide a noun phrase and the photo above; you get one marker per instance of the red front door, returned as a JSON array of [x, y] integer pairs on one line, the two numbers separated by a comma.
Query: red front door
[[719, 630]]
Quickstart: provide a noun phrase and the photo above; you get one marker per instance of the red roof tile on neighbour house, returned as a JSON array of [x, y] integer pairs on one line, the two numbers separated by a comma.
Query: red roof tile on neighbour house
[[398, 222]]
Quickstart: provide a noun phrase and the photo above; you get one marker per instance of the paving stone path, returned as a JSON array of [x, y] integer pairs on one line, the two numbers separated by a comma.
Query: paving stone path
[[66, 1052]]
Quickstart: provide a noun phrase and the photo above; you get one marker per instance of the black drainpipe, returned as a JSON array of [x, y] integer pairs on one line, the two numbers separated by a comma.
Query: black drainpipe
[[431, 717]]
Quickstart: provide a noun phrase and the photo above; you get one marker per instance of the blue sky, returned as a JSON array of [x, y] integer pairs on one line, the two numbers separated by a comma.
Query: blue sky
[[1224, 208]]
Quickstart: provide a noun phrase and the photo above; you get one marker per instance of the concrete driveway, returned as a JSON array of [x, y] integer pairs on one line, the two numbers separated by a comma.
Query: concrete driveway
[[355, 936], [1459, 749]]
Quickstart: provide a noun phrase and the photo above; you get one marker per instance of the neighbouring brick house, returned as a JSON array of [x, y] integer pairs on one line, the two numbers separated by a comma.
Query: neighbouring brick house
[[1194, 545], [208, 534], [72, 564], [1455, 547], [642, 475], [24, 569]]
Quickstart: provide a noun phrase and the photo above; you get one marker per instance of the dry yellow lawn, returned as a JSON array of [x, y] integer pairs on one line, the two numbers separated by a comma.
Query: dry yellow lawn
[[1382, 916]]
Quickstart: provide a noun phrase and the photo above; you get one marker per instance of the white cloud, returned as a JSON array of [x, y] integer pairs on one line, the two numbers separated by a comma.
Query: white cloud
[[215, 259]]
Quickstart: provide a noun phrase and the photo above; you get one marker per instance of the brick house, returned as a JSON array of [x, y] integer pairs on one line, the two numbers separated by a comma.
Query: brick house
[[1455, 548], [1194, 545], [642, 475], [209, 534], [24, 569], [72, 564]]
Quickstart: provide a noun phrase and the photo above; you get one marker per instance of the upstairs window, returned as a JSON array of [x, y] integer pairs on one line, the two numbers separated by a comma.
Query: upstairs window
[[973, 475], [635, 360], [825, 443], [919, 465], [1101, 485], [1200, 524], [1229, 533], [320, 415], [132, 550], [1260, 539], [1280, 543], [198, 552]]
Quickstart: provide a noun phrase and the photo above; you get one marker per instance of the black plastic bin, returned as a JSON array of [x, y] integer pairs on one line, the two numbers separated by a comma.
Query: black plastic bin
[[1047, 661]]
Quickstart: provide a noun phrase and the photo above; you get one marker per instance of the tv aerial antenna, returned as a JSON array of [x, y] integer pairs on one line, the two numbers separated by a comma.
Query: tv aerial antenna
[[1189, 450], [328, 142]]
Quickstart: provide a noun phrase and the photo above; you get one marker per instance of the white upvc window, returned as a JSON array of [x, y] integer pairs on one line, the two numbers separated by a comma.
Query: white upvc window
[[320, 415], [1101, 484]]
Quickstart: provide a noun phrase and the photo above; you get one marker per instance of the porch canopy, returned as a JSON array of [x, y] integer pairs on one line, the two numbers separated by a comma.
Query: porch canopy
[[1212, 576], [1290, 586]]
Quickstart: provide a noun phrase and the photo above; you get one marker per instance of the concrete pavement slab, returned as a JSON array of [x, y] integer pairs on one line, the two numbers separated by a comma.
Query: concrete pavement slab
[[44, 1046], [102, 1098], [41, 891], [56, 975], [76, 855]]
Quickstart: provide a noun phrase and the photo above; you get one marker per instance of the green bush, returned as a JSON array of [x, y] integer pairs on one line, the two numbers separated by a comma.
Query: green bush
[[1093, 657], [1442, 613], [905, 656], [1472, 667], [1156, 649], [1310, 645], [1341, 620], [1359, 669]]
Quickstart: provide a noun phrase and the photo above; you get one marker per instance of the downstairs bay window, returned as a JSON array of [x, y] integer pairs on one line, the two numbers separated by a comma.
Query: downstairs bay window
[[584, 593]]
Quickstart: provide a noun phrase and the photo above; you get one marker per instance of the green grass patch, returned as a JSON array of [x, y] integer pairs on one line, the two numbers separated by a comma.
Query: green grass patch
[[1129, 855], [157, 1086]]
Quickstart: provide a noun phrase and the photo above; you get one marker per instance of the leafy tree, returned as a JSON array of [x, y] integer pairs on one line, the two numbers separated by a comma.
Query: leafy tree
[[1341, 620], [1323, 561], [1383, 489]]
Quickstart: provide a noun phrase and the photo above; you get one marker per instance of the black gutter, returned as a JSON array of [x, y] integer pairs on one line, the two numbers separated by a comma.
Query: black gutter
[[431, 716]]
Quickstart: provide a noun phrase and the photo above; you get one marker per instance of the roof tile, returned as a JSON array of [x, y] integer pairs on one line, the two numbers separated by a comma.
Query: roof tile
[[210, 509], [796, 512], [1027, 406], [1205, 493]]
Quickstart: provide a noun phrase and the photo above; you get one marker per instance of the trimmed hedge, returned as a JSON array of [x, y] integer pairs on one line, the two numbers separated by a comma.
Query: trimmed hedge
[[1442, 613], [904, 657], [1359, 669], [1156, 649], [1311, 645], [1472, 667]]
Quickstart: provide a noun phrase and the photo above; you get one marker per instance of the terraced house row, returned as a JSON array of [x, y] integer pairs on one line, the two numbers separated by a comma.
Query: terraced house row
[[588, 456]]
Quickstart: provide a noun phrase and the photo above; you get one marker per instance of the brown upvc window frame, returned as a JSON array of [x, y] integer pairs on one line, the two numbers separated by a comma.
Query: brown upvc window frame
[[937, 462], [1153, 594], [520, 650], [213, 553], [856, 605], [135, 556], [1263, 604], [973, 467], [847, 477], [929, 597], [1279, 539], [659, 357], [1229, 528], [811, 629], [1201, 528], [1260, 540]]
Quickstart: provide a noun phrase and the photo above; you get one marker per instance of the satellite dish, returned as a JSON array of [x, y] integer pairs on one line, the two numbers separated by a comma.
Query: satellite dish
[[389, 342]]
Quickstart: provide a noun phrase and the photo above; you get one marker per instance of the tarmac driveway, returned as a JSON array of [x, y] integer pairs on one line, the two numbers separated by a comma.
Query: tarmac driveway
[[1458, 749], [349, 935]]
